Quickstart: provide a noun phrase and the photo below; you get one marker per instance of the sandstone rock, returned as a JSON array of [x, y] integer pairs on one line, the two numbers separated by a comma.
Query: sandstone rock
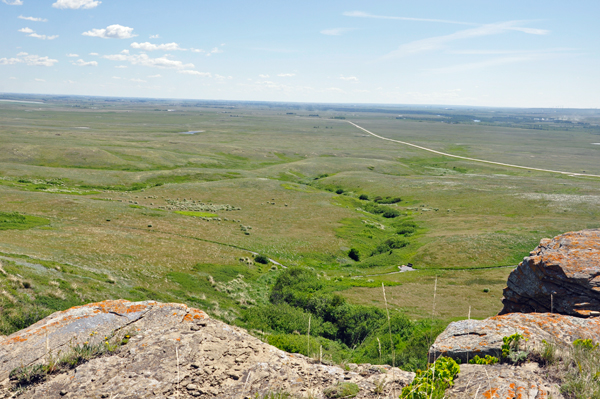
[[174, 351], [502, 381], [466, 338], [562, 275]]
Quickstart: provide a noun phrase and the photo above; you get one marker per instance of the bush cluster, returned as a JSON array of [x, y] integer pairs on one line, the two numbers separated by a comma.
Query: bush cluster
[[299, 294]]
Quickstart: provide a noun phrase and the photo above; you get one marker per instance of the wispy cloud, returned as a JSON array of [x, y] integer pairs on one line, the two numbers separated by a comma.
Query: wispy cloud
[[13, 3], [32, 19], [335, 31], [73, 55], [147, 46], [154, 36], [39, 80], [138, 80], [28, 59], [144, 60], [121, 66], [512, 58], [349, 78], [155, 76], [197, 73], [94, 54], [26, 30], [264, 76], [111, 32], [76, 4], [196, 50], [286, 75], [81, 62], [439, 42], [215, 50], [362, 14], [43, 37]]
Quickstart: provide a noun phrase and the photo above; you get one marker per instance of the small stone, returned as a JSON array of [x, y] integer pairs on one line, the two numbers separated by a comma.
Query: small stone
[[192, 387]]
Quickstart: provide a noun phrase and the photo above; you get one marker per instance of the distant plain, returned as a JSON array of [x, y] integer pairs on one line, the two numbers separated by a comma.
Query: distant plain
[[118, 183]]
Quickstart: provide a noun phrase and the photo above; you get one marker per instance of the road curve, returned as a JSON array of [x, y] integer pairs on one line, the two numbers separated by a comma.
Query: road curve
[[473, 159]]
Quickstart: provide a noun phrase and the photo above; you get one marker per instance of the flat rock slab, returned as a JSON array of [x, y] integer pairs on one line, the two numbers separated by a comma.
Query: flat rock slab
[[466, 338], [174, 352], [562, 275], [501, 381]]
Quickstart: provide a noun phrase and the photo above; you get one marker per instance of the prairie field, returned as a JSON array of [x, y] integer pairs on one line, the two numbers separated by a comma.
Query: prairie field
[[121, 200]]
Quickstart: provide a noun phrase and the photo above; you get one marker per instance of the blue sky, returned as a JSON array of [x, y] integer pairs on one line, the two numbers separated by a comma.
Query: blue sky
[[486, 53]]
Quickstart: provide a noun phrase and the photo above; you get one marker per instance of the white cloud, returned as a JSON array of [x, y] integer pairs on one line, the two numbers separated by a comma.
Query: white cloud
[[32, 19], [196, 50], [286, 75], [73, 55], [367, 15], [13, 3], [121, 66], [197, 73], [439, 42], [215, 50], [39, 80], [116, 77], [111, 32], [138, 80], [155, 76], [12, 78], [43, 37], [28, 59], [31, 33], [94, 54], [349, 78], [146, 46], [76, 4], [125, 51], [70, 81], [145, 60], [154, 36], [335, 31], [264, 76], [81, 62]]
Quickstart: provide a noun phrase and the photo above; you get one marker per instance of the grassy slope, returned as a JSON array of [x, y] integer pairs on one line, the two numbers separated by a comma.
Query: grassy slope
[[78, 180]]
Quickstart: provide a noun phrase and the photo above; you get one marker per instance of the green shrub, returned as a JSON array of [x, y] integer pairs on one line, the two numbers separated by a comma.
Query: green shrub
[[388, 200], [339, 191], [390, 244], [354, 254], [342, 390], [391, 213], [511, 348], [406, 228], [27, 375], [363, 197], [294, 343], [433, 382], [484, 360], [262, 259]]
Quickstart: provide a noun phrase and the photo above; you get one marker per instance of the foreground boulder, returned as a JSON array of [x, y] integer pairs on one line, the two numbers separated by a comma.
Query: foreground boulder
[[466, 338], [167, 350], [562, 275], [501, 381]]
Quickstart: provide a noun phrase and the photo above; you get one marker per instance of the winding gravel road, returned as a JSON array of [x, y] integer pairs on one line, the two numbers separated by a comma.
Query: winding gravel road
[[572, 174]]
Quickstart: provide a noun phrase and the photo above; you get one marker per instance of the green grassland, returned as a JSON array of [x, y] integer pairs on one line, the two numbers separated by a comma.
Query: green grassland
[[114, 201]]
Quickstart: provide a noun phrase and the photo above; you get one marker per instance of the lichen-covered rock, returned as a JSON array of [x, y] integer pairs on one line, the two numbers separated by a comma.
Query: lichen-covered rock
[[174, 351], [562, 275], [466, 338], [500, 381]]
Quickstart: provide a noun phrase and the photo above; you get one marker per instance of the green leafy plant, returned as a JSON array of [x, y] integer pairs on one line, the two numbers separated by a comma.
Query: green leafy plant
[[511, 348], [433, 382], [342, 390], [484, 360]]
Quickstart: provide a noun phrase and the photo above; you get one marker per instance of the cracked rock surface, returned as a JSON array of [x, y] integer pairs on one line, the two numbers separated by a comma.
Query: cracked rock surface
[[562, 275], [174, 352]]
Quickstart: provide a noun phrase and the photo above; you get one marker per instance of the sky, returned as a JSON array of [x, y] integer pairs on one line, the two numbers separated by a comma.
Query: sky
[[507, 53]]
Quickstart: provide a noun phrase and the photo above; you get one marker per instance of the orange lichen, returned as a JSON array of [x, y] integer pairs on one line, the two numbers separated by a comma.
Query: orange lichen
[[491, 393]]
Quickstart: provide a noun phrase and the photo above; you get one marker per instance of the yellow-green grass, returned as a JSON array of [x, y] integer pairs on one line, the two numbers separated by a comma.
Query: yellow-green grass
[[197, 214]]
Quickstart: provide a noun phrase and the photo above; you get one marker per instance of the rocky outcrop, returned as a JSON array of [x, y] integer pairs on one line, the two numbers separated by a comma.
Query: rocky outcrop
[[562, 275], [170, 350], [501, 381], [466, 338]]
